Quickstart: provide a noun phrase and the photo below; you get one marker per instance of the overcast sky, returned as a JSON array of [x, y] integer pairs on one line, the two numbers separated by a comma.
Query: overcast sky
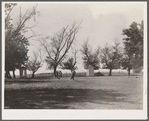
[[102, 22]]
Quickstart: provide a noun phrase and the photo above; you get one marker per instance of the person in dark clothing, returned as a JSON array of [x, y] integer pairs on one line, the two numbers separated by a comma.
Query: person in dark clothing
[[73, 74], [58, 74]]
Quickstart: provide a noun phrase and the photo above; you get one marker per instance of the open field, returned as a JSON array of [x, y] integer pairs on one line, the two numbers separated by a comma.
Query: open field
[[116, 92]]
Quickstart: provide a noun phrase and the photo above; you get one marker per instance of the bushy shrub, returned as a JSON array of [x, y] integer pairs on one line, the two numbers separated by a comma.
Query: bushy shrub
[[137, 70], [98, 74]]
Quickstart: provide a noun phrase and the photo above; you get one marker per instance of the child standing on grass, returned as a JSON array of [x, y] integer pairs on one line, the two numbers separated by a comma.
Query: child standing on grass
[[73, 74]]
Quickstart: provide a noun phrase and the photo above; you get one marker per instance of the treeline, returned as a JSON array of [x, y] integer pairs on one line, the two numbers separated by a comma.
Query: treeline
[[57, 47], [115, 57]]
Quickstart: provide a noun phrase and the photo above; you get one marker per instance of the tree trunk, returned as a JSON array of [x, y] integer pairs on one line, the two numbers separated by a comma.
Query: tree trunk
[[33, 74], [7, 75], [110, 72], [14, 76], [128, 71], [55, 67]]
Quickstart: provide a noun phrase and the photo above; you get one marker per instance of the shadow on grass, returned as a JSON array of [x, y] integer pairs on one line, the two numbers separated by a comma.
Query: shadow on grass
[[57, 98]]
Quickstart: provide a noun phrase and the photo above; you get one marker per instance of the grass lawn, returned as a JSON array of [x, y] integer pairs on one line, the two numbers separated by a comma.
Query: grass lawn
[[115, 92]]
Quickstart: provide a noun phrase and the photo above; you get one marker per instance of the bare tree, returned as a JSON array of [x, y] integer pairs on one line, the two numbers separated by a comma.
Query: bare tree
[[89, 57], [111, 56], [34, 63], [21, 21], [58, 46]]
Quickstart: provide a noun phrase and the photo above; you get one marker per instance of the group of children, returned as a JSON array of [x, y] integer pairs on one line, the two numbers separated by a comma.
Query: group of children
[[59, 74]]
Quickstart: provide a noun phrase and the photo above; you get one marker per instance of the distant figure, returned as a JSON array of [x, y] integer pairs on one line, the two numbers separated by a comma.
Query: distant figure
[[73, 74], [58, 74]]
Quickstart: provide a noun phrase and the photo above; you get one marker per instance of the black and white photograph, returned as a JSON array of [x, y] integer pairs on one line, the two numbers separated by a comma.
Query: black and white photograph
[[74, 60]]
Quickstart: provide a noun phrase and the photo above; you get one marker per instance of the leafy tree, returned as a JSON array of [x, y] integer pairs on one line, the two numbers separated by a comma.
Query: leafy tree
[[70, 63], [8, 31], [15, 54], [34, 63], [58, 46], [126, 62], [15, 43], [111, 56], [134, 45], [89, 57]]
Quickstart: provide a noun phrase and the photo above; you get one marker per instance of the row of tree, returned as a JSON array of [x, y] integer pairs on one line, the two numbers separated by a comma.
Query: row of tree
[[111, 57], [58, 46], [115, 57]]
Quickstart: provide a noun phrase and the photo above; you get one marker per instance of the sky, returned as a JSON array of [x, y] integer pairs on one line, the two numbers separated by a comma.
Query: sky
[[102, 22]]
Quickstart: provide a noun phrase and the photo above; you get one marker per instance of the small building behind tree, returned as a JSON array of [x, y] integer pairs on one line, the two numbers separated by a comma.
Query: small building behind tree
[[90, 71], [23, 72]]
